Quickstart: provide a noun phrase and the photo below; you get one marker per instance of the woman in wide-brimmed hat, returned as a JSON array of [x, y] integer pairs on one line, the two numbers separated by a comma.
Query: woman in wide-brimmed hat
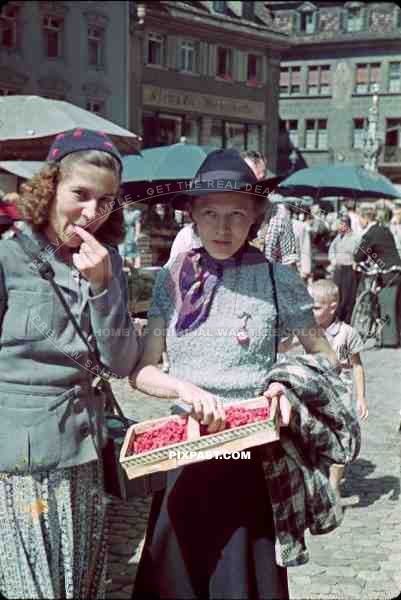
[[211, 533]]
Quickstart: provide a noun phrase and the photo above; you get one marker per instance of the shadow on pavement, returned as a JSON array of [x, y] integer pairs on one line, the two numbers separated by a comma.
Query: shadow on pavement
[[368, 489]]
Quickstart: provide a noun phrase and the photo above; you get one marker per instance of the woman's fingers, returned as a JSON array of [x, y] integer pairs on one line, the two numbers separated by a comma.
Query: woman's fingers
[[276, 391], [285, 410]]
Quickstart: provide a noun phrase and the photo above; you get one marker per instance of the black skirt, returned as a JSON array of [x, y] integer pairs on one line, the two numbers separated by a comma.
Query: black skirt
[[211, 535]]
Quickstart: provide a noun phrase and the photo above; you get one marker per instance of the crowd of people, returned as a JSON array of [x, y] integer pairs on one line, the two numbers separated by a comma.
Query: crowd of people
[[239, 315]]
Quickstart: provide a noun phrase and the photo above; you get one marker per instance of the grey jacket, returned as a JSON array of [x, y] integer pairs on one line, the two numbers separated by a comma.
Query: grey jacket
[[45, 372]]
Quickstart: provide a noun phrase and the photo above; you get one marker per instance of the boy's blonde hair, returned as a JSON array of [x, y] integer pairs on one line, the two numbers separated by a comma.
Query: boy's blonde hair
[[324, 289]]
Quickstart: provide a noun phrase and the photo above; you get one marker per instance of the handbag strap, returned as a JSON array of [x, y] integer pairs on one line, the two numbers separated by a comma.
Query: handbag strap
[[46, 271], [277, 317]]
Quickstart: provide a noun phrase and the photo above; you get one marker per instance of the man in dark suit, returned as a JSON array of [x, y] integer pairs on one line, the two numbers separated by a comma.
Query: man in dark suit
[[376, 243]]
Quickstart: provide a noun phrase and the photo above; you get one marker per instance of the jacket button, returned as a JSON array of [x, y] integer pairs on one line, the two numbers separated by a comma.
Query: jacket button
[[84, 430]]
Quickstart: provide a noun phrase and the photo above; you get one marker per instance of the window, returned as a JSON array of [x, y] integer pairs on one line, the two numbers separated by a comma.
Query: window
[[359, 133], [254, 69], [188, 56], [319, 82], [354, 19], [8, 92], [290, 129], [53, 28], [224, 63], [95, 106], [219, 7], [316, 134], [235, 135], [156, 49], [253, 137], [394, 77], [9, 27], [367, 76], [290, 80], [392, 149], [95, 46], [248, 10], [307, 22], [216, 133], [191, 130]]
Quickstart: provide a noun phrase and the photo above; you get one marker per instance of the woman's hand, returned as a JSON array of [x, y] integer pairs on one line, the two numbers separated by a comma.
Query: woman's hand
[[206, 408], [93, 261], [277, 391]]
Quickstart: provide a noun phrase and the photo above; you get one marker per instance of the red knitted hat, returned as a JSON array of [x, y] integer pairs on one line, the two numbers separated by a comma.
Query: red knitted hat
[[76, 140]]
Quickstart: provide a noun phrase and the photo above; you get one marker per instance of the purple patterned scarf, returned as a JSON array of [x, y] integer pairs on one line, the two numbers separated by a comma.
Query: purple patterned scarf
[[194, 279]]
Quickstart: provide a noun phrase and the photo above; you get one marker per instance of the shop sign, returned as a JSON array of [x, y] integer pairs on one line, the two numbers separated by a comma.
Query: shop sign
[[202, 103]]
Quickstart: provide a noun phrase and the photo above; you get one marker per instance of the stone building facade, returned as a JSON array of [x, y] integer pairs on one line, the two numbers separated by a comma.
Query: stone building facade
[[341, 53], [209, 72], [74, 51]]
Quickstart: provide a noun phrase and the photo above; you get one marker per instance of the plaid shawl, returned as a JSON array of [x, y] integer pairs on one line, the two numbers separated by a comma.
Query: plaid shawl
[[322, 431]]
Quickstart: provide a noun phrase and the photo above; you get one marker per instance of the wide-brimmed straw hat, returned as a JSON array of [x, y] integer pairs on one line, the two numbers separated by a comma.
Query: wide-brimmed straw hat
[[225, 171]]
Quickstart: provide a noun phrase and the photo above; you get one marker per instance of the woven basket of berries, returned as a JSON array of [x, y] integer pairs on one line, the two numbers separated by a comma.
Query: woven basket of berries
[[174, 441]]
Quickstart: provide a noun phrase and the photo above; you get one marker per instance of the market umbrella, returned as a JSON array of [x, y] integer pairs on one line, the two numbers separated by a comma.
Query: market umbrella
[[163, 163], [158, 173], [332, 180], [28, 125]]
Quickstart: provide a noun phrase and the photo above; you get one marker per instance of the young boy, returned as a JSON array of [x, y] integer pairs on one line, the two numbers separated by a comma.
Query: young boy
[[347, 344]]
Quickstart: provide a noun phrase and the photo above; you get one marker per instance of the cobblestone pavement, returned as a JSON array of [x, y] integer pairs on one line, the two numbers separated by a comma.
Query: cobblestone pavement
[[360, 559]]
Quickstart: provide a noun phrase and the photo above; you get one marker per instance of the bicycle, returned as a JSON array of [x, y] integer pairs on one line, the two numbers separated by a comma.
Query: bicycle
[[366, 316]]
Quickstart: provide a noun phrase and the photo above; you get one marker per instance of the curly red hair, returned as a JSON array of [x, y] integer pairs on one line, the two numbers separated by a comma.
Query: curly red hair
[[37, 194]]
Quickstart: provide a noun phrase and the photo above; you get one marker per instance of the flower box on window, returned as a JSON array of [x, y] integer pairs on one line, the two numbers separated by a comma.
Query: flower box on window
[[148, 445]]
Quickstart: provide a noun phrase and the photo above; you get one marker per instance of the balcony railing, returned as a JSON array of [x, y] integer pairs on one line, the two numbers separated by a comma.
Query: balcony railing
[[392, 154]]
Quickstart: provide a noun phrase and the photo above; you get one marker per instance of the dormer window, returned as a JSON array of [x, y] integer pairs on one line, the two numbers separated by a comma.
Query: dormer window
[[307, 23], [354, 18], [306, 17]]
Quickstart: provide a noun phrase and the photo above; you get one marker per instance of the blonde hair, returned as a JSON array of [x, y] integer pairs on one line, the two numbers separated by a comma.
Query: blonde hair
[[324, 289]]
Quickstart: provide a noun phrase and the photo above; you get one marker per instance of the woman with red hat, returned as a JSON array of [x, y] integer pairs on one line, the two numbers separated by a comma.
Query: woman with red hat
[[52, 502]]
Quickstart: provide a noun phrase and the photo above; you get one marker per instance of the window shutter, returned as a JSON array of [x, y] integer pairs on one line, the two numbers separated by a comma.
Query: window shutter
[[375, 73], [212, 62], [241, 62], [203, 62], [171, 54], [325, 76], [362, 74], [284, 77], [313, 76], [236, 58], [296, 77], [296, 22]]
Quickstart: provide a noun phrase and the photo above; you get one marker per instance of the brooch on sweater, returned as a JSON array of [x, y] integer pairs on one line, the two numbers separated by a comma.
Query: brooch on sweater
[[243, 333]]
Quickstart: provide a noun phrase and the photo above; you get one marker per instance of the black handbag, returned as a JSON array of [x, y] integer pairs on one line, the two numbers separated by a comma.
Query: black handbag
[[116, 424]]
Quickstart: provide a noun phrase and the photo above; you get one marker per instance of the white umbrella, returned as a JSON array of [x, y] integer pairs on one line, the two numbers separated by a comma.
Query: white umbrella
[[28, 125]]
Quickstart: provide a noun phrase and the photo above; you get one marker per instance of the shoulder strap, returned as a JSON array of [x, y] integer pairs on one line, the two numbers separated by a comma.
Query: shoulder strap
[[277, 316], [46, 271]]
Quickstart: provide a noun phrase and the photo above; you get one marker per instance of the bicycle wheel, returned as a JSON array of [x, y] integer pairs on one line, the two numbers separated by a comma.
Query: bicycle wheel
[[363, 317]]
